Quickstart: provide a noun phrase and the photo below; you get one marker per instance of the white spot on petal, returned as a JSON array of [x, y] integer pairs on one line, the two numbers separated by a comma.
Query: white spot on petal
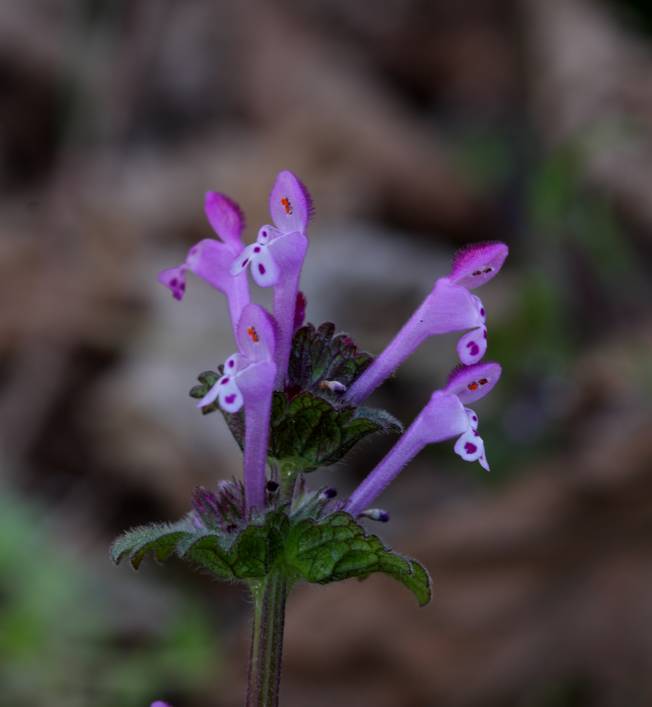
[[264, 269], [470, 446]]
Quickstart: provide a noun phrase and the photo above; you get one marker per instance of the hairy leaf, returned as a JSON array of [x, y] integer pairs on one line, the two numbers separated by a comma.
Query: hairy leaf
[[160, 539], [250, 556], [314, 433], [337, 548]]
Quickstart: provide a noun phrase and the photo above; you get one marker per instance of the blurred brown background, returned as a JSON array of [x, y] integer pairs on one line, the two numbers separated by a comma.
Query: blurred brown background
[[418, 125]]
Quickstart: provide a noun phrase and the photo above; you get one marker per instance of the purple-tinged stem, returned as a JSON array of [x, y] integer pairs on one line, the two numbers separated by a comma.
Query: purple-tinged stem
[[266, 651]]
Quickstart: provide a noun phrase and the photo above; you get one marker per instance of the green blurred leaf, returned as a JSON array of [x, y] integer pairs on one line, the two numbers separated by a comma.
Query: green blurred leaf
[[207, 380], [64, 640]]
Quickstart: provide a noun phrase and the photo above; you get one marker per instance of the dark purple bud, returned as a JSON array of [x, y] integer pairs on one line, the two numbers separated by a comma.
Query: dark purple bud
[[206, 505]]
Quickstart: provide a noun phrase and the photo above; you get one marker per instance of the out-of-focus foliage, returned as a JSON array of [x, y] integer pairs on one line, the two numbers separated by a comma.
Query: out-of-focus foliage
[[59, 640]]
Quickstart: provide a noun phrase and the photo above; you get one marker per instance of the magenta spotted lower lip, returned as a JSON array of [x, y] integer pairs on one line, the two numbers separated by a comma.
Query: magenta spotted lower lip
[[230, 398], [470, 448]]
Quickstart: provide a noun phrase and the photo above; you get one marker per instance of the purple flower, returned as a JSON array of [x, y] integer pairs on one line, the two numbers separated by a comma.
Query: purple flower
[[248, 379], [444, 417], [277, 256], [158, 703], [211, 259], [449, 307]]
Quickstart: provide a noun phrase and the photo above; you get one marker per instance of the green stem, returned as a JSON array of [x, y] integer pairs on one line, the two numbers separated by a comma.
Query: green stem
[[266, 651]]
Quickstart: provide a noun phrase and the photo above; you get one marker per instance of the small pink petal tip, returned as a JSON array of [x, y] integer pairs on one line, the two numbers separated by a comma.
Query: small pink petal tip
[[478, 263], [225, 216], [290, 203], [175, 280], [470, 383]]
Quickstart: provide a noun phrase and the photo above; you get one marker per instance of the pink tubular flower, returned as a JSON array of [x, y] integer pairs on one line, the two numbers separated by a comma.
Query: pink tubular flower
[[444, 417], [249, 380], [211, 259], [277, 256], [449, 307]]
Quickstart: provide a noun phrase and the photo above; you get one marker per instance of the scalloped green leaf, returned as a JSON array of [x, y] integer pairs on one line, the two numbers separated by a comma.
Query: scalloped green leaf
[[338, 548], [207, 553], [313, 432], [160, 539], [250, 555]]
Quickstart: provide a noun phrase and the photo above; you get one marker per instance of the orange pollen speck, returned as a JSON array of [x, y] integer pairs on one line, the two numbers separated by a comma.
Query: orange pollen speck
[[253, 334], [287, 205], [472, 386]]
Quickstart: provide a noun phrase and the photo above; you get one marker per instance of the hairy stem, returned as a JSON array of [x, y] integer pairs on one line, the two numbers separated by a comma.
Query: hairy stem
[[266, 650]]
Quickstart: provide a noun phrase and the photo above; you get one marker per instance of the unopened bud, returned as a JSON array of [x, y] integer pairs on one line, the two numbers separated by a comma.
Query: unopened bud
[[375, 514], [333, 386], [327, 494]]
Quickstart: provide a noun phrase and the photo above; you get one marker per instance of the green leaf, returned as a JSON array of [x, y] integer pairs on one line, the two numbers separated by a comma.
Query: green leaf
[[208, 554], [250, 555], [312, 426], [207, 380], [319, 551], [235, 421], [160, 539], [313, 432], [338, 548], [319, 354]]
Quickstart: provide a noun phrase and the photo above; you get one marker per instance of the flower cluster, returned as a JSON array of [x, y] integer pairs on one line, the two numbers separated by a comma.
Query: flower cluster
[[259, 367]]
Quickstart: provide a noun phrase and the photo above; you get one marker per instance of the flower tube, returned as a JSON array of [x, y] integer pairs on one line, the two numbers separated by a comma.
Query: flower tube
[[444, 417], [248, 380], [276, 258], [211, 259], [449, 307]]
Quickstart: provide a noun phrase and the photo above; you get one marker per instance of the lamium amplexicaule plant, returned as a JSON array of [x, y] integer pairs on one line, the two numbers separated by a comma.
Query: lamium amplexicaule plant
[[293, 396]]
